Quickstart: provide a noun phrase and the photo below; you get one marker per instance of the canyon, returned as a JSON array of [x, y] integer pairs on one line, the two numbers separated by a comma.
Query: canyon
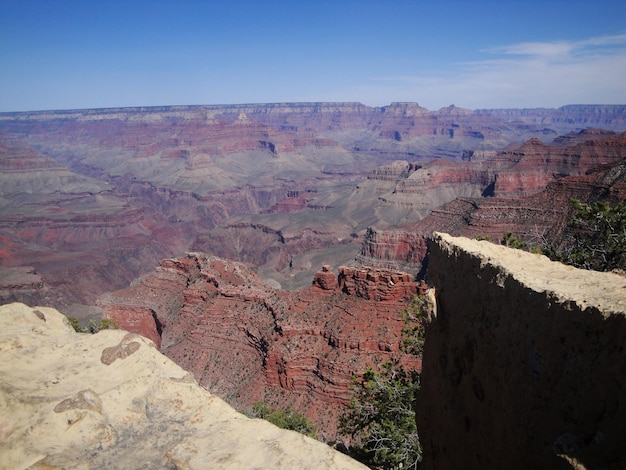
[[540, 220], [92, 199], [523, 367], [271, 249], [246, 341]]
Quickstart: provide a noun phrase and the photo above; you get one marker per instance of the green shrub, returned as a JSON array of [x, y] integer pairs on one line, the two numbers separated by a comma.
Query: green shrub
[[414, 334], [599, 236], [513, 241], [75, 324], [284, 419], [92, 325], [380, 419]]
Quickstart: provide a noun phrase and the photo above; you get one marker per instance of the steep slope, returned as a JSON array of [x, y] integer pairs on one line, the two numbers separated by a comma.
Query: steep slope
[[111, 400], [246, 341], [523, 363], [538, 219]]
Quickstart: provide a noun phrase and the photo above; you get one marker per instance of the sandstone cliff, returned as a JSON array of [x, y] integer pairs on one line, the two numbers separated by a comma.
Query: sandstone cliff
[[524, 363], [111, 400]]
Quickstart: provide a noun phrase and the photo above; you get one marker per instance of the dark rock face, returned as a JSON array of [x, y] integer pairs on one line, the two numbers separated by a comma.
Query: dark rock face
[[523, 363], [245, 341]]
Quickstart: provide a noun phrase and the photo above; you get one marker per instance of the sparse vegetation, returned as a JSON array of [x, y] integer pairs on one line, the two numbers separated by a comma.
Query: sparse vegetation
[[285, 419], [75, 324], [599, 237], [513, 241], [380, 419], [414, 334], [596, 238], [93, 326]]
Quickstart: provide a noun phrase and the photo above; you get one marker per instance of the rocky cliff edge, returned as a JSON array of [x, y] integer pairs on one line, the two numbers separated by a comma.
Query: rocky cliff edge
[[524, 365], [111, 400]]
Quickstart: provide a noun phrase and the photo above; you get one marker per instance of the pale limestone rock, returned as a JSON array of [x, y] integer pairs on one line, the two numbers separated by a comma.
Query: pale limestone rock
[[62, 405]]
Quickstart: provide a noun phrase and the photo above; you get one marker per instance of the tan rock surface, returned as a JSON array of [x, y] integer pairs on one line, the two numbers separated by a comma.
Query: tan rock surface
[[587, 289], [62, 406]]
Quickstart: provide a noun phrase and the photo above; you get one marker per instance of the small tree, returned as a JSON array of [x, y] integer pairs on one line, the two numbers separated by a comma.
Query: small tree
[[285, 419], [597, 237], [414, 333], [513, 241], [380, 418]]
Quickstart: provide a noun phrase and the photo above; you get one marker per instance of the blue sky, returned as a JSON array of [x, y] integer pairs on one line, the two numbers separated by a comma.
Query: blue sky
[[67, 54]]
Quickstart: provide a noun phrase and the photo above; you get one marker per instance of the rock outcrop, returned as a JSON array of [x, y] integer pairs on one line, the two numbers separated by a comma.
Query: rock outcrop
[[111, 400], [524, 362], [540, 219], [246, 341], [377, 284]]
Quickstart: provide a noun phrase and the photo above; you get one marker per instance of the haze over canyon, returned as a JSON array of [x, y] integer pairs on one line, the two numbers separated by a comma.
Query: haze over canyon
[[91, 199]]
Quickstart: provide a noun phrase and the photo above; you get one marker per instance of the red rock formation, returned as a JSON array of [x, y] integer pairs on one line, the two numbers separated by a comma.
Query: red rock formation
[[248, 342], [140, 320], [536, 164], [325, 279], [537, 219], [95, 197], [377, 284], [394, 249]]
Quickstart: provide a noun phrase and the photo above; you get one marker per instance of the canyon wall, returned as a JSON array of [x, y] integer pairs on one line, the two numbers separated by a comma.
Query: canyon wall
[[91, 199], [111, 400], [524, 362], [539, 219], [246, 341]]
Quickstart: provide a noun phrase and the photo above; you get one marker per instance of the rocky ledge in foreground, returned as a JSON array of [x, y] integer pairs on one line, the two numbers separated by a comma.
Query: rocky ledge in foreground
[[524, 365], [111, 400]]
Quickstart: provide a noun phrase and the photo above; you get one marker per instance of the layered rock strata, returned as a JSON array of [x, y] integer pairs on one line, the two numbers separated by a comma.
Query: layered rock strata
[[93, 198], [111, 400], [524, 362], [539, 220], [246, 341]]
